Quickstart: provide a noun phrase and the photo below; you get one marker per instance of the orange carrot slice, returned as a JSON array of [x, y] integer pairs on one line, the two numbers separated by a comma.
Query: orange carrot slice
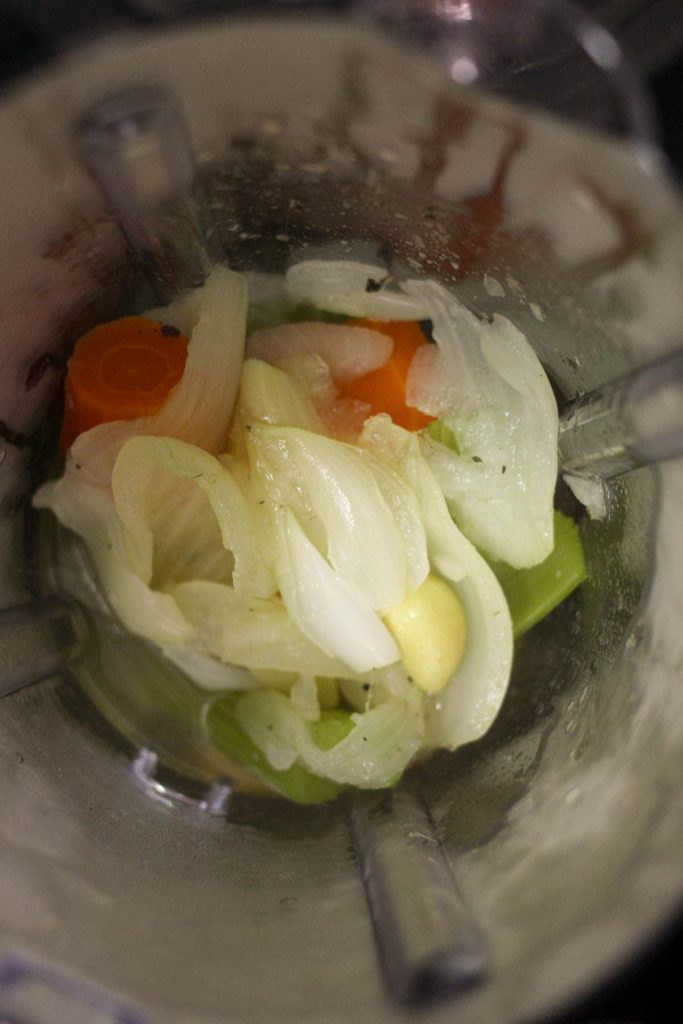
[[384, 389], [121, 370]]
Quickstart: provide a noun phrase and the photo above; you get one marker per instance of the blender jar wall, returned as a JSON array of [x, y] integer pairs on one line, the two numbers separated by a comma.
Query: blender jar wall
[[325, 137]]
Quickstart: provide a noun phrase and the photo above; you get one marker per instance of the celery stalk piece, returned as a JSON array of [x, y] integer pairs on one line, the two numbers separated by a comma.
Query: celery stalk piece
[[439, 431], [533, 593], [296, 783]]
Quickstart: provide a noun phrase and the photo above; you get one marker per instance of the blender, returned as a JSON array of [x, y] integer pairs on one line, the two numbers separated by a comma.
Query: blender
[[139, 883]]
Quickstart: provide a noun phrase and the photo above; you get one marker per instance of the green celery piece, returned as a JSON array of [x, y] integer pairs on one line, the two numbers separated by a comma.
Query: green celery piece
[[276, 313], [296, 783], [331, 728], [438, 431], [306, 311], [533, 593]]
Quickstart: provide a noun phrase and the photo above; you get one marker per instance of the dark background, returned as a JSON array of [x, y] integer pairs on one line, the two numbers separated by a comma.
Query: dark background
[[651, 32]]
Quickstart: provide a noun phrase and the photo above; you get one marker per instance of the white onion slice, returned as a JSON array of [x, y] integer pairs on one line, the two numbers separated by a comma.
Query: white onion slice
[[486, 383], [341, 286], [348, 351], [332, 488], [590, 491], [381, 743], [325, 609]]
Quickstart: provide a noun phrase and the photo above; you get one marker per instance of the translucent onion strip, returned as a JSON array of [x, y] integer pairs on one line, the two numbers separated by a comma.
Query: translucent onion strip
[[148, 468], [323, 606], [363, 543], [348, 351], [247, 631], [467, 707], [373, 754], [487, 385], [356, 289]]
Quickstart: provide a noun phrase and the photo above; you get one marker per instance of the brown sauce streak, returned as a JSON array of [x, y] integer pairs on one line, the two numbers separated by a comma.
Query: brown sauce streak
[[451, 123], [635, 237], [13, 437], [485, 212], [48, 361]]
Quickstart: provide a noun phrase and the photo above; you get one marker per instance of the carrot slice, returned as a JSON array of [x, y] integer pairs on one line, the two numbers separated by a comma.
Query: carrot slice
[[384, 389], [120, 370]]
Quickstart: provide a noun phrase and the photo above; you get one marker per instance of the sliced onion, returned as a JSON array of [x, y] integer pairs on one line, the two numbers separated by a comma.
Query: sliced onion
[[325, 609], [467, 707], [361, 536], [381, 743], [147, 471], [209, 673], [590, 491], [427, 387], [269, 395], [89, 512], [486, 383], [247, 631], [342, 417], [341, 286], [348, 351]]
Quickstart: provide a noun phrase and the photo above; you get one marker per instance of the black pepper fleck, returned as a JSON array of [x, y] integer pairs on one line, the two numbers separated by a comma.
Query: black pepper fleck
[[475, 458], [169, 332], [372, 286]]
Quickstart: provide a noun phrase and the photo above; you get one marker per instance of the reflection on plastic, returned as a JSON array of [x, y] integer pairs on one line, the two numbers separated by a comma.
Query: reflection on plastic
[[40, 994], [633, 421], [38, 640]]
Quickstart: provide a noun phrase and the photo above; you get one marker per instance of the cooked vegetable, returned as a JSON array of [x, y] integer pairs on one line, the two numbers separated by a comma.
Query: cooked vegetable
[[438, 431], [295, 782], [383, 740], [279, 525], [200, 407], [384, 389], [349, 350], [355, 289], [465, 709], [486, 384], [429, 628], [119, 371], [533, 593]]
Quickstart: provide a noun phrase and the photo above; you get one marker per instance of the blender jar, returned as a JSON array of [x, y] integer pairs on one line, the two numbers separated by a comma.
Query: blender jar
[[126, 898]]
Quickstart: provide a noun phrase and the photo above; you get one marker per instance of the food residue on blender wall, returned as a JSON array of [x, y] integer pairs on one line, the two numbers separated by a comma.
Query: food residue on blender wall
[[346, 491]]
